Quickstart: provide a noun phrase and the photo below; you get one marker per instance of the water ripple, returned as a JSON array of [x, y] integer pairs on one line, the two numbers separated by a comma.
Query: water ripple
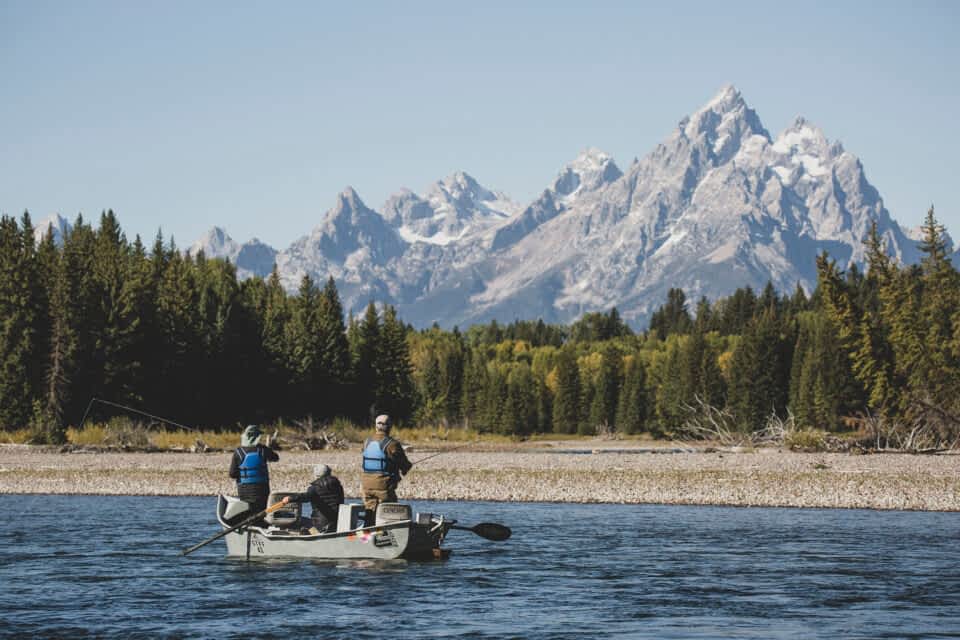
[[569, 571]]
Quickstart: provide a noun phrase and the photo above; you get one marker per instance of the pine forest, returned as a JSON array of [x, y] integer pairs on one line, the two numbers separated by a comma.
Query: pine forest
[[872, 352]]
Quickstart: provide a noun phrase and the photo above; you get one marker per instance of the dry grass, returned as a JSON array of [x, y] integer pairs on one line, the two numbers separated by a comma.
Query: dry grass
[[19, 436], [126, 433]]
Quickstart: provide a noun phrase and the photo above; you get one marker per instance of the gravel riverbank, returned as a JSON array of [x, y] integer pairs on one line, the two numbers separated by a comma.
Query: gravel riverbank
[[568, 472]]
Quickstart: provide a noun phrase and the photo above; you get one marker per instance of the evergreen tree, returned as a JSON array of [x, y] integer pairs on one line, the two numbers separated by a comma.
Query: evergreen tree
[[566, 405], [673, 316], [275, 315], [704, 320], [494, 408], [364, 343], [603, 409], [181, 390], [114, 320], [706, 377], [394, 379], [676, 384], [760, 372], [632, 405], [940, 306], [303, 340], [334, 362], [16, 327], [799, 301], [474, 383], [588, 389], [769, 299], [78, 254], [822, 385], [737, 311], [60, 352], [544, 406], [520, 410]]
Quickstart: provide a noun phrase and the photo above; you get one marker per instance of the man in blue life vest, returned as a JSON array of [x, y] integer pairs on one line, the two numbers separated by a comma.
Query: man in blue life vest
[[249, 468], [384, 461]]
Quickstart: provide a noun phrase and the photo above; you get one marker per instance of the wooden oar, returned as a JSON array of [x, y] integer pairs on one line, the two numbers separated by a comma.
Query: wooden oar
[[488, 530], [252, 518]]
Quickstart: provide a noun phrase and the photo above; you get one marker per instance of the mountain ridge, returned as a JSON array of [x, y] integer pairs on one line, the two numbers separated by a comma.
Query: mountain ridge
[[718, 204]]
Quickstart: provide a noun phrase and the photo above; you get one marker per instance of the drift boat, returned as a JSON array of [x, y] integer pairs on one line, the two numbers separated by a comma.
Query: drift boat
[[283, 532]]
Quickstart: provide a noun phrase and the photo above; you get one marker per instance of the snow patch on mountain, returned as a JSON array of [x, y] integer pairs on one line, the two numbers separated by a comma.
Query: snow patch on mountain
[[452, 209]]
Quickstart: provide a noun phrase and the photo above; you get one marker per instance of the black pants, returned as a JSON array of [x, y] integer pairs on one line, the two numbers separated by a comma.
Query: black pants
[[254, 494], [322, 523]]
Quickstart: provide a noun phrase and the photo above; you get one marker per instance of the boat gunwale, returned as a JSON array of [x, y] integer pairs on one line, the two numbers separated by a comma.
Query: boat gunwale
[[399, 524]]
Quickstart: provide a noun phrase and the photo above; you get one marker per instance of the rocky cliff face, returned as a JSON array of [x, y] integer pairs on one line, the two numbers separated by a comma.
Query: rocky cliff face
[[719, 204]]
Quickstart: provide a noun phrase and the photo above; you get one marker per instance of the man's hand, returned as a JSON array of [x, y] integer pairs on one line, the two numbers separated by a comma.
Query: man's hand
[[272, 437]]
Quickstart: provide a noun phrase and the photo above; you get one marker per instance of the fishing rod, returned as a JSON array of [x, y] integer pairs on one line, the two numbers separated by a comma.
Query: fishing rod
[[434, 455], [142, 413]]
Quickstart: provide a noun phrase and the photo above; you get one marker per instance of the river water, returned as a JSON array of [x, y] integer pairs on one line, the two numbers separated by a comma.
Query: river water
[[80, 566]]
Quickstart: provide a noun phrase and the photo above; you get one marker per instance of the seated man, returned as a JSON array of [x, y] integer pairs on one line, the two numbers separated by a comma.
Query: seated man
[[325, 495]]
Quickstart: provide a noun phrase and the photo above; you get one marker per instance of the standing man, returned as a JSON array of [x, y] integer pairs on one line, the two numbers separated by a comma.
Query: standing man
[[249, 468], [384, 461]]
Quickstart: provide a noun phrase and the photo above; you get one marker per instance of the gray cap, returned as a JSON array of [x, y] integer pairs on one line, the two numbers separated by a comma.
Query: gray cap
[[320, 470], [383, 422]]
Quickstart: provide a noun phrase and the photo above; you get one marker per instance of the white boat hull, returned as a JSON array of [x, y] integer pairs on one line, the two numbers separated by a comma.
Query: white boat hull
[[401, 539]]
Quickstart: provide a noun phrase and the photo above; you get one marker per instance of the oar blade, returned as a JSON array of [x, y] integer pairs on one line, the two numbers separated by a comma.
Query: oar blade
[[492, 531]]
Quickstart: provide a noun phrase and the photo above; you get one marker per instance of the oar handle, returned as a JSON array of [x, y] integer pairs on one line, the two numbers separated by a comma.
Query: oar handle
[[252, 518]]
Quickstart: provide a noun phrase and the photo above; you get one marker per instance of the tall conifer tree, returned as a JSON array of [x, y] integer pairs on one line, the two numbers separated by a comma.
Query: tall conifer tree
[[566, 405]]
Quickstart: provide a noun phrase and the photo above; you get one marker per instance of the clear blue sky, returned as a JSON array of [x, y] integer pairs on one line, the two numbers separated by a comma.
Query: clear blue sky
[[253, 116]]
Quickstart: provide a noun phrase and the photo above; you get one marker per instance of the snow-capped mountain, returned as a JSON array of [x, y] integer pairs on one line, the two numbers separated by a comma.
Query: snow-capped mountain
[[252, 258], [55, 224], [453, 209], [718, 205], [354, 244], [215, 243]]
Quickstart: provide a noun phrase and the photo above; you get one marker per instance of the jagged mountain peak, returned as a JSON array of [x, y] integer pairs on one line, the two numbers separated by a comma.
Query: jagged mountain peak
[[727, 98], [349, 199], [723, 123], [590, 170], [215, 243], [460, 182], [252, 258], [55, 224], [461, 191]]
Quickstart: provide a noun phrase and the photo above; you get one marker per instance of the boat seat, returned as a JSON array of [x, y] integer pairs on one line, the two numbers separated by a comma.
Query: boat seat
[[288, 516]]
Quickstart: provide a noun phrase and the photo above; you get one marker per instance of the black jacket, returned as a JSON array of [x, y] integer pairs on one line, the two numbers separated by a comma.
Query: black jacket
[[325, 496]]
